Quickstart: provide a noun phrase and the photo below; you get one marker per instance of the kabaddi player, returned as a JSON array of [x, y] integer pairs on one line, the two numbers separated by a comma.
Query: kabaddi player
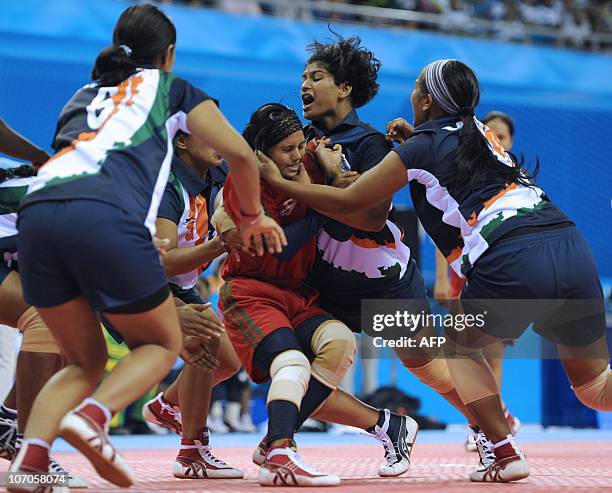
[[272, 317], [198, 174], [500, 231], [448, 284], [86, 230]]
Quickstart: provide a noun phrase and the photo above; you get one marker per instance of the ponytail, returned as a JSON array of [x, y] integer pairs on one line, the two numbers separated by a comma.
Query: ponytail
[[141, 37], [477, 161], [113, 66]]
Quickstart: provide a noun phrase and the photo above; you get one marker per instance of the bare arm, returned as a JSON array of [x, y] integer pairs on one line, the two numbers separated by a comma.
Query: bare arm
[[207, 123], [372, 188], [17, 146], [183, 260], [442, 287]]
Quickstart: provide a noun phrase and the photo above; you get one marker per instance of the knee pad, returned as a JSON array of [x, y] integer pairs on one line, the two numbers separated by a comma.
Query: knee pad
[[290, 372], [597, 394], [435, 374], [334, 347], [37, 337]]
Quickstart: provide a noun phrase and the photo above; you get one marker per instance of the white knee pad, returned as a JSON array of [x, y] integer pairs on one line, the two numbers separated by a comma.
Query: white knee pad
[[290, 372], [597, 394], [334, 347]]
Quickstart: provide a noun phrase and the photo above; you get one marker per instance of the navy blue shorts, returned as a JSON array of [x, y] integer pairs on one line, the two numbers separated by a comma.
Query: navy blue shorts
[[88, 248], [348, 309], [551, 281], [187, 295], [5, 270]]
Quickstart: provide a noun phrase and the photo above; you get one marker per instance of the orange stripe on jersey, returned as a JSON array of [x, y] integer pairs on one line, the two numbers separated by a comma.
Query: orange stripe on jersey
[[117, 98], [369, 243], [197, 225], [454, 255], [492, 200]]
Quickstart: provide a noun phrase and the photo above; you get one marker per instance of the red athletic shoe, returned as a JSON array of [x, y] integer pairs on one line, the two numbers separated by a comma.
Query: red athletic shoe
[[86, 431], [161, 412], [283, 467], [196, 461], [34, 460], [510, 465], [260, 452]]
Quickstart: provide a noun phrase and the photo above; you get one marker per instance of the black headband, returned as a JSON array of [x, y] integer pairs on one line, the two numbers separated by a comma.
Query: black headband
[[280, 123]]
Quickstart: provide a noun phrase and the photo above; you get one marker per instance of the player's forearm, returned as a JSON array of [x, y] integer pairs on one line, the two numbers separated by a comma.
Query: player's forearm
[[17, 146], [372, 219], [182, 260], [245, 170], [441, 266], [326, 199]]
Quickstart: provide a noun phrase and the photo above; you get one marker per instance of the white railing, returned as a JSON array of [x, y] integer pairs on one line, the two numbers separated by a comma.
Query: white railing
[[303, 9]]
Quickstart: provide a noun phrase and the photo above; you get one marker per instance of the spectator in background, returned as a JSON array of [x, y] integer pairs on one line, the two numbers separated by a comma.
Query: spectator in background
[[511, 28], [576, 28]]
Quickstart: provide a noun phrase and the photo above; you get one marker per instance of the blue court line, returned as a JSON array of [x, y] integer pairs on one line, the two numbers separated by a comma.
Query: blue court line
[[309, 439]]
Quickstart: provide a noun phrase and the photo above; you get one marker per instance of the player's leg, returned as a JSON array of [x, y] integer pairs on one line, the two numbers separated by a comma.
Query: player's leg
[[289, 371], [195, 458], [256, 316]]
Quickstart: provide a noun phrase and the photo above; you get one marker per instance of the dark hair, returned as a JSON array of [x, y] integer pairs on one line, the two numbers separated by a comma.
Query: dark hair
[[504, 117], [270, 124], [349, 63], [21, 172], [140, 39], [475, 163]]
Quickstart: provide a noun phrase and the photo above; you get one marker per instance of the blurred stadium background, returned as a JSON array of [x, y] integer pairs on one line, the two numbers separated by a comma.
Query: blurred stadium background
[[547, 63]]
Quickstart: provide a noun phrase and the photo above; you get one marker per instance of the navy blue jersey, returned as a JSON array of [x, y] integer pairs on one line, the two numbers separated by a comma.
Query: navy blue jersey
[[114, 144], [351, 263], [462, 221]]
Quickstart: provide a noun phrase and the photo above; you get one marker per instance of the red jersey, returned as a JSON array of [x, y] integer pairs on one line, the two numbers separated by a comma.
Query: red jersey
[[284, 210]]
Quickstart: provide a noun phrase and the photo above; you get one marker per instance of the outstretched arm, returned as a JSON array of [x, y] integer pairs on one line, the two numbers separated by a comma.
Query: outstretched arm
[[373, 187], [17, 146]]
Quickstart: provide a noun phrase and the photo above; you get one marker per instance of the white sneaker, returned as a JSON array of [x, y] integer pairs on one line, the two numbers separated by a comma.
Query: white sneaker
[[196, 461], [484, 446], [397, 434], [283, 467], [470, 441], [74, 481], [510, 464]]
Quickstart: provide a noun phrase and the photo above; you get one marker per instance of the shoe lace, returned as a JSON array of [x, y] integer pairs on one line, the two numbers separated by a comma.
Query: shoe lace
[[8, 438], [485, 449], [297, 460], [206, 451], [380, 434]]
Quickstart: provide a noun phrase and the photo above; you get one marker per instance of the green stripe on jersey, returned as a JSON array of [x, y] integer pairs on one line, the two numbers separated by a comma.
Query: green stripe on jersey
[[159, 112]]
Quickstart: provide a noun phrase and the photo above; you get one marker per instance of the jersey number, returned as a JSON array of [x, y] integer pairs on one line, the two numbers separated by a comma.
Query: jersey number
[[101, 107]]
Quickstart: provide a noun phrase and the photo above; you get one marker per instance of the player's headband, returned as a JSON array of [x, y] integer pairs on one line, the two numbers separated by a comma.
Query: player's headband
[[271, 124], [435, 85]]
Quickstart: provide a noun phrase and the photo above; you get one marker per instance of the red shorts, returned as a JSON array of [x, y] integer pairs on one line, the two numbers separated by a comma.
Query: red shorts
[[457, 284], [253, 309]]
